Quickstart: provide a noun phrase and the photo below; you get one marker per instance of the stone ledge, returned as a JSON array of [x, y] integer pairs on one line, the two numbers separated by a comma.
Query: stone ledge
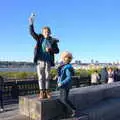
[[104, 110], [85, 99]]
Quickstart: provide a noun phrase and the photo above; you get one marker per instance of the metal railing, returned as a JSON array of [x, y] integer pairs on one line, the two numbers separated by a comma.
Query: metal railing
[[13, 88]]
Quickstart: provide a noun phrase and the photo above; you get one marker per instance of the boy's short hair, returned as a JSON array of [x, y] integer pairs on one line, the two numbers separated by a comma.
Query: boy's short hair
[[66, 54], [48, 28]]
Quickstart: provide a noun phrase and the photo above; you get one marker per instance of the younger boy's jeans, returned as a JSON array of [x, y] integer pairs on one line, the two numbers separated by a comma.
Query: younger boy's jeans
[[64, 100], [43, 72]]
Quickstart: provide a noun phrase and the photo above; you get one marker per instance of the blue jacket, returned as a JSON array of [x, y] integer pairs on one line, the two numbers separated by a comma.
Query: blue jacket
[[65, 73]]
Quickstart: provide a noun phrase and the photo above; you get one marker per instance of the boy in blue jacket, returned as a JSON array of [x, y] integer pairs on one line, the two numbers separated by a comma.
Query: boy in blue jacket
[[65, 72]]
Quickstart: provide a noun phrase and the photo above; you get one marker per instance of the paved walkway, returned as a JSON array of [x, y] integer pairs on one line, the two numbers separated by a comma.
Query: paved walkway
[[12, 113]]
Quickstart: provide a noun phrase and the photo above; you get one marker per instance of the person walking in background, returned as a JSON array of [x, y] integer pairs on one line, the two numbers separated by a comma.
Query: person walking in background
[[104, 75], [65, 72], [116, 75], [95, 78], [110, 75], [1, 93], [46, 47]]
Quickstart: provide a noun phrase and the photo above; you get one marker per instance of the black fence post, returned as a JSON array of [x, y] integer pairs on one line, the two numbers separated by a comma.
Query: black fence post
[[77, 81], [15, 91], [1, 91]]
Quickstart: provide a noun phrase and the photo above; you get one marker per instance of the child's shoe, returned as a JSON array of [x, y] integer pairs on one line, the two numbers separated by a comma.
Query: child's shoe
[[1, 110], [41, 95], [73, 113], [48, 95]]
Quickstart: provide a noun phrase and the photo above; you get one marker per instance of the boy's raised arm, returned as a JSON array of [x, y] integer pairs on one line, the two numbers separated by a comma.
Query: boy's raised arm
[[31, 28]]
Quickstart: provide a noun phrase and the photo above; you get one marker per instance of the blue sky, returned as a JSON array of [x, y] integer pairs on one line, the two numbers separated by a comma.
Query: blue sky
[[90, 29]]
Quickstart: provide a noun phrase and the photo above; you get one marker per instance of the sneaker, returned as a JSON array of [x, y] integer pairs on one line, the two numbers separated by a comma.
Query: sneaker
[[1, 110], [73, 113]]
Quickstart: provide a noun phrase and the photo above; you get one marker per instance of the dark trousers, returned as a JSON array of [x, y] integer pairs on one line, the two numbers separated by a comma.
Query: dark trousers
[[1, 99], [65, 101]]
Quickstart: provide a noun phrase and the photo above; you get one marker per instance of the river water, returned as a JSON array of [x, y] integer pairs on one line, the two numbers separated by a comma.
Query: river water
[[29, 69]]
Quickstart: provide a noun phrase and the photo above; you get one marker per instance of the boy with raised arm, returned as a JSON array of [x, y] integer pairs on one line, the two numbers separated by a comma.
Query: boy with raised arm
[[46, 47]]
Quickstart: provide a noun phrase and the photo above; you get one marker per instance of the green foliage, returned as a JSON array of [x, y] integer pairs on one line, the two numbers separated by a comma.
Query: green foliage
[[22, 75], [19, 75], [53, 73], [82, 73], [85, 73]]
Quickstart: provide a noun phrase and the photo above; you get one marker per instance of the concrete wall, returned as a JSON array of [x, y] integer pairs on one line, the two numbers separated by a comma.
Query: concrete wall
[[101, 102]]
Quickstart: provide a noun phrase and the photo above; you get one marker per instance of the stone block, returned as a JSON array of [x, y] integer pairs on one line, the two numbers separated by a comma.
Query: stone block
[[24, 105], [40, 109]]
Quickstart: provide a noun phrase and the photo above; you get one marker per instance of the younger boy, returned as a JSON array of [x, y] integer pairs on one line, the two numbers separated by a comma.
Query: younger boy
[[65, 72]]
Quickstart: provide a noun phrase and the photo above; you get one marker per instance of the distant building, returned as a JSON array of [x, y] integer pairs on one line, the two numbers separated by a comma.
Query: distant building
[[13, 64]]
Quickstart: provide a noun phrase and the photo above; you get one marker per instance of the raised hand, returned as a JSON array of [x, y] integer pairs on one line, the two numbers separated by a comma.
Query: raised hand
[[31, 18]]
